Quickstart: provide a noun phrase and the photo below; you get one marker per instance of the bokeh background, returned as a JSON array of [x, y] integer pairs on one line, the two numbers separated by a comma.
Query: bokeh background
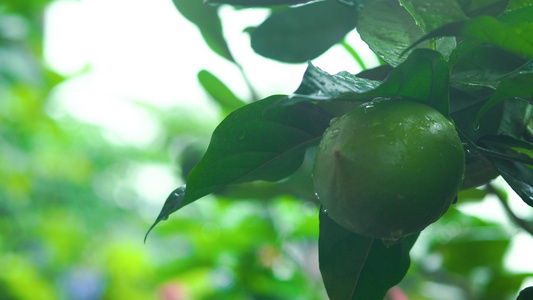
[[102, 115]]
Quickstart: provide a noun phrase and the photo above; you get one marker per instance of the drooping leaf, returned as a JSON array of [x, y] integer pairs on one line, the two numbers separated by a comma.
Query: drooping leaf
[[256, 142], [206, 18], [431, 14], [518, 176], [172, 204], [303, 33], [354, 267], [219, 92]]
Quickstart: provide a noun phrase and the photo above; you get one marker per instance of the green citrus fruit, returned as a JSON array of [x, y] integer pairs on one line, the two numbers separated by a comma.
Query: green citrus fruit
[[388, 168]]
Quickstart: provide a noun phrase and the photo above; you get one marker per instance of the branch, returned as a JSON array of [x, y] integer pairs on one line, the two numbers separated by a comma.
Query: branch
[[526, 225]]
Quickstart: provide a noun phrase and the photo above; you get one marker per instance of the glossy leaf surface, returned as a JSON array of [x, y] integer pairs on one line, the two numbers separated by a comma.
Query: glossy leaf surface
[[354, 267], [256, 142]]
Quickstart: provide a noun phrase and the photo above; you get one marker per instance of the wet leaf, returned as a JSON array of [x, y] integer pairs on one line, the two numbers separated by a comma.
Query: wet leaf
[[173, 202], [354, 267]]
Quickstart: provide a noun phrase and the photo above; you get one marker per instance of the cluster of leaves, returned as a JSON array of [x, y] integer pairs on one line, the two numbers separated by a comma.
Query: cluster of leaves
[[471, 60]]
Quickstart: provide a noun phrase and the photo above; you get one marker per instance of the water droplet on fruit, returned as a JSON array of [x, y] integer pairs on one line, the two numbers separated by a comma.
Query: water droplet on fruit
[[325, 210], [369, 108], [316, 196]]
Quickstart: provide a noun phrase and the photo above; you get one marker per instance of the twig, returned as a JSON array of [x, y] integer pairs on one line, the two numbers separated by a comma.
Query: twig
[[526, 225]]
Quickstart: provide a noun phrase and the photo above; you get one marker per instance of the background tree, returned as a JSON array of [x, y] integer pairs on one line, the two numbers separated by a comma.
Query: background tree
[[73, 219]]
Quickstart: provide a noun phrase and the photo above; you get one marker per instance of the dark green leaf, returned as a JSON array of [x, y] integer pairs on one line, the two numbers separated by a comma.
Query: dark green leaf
[[475, 8], [516, 4], [516, 38], [389, 30], [303, 33], [206, 18], [506, 141], [508, 117], [517, 87], [173, 202], [512, 31], [431, 14], [518, 176], [258, 3], [219, 92], [257, 142], [526, 294], [377, 73], [422, 77], [321, 85], [482, 65], [354, 267]]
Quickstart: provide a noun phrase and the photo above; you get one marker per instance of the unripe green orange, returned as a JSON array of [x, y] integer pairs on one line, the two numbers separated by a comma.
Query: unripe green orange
[[388, 168]]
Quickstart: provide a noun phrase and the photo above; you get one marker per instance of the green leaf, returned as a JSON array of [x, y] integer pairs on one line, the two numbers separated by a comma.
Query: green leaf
[[526, 294], [518, 176], [389, 30], [303, 33], [506, 141], [258, 3], [431, 14], [482, 65], [354, 267], [511, 31], [317, 84], [517, 87], [257, 142], [515, 4], [206, 18], [219, 92], [172, 204], [422, 77], [516, 38], [475, 8]]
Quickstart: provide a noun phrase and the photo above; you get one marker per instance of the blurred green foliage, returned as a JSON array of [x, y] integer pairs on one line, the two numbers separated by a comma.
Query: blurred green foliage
[[72, 226]]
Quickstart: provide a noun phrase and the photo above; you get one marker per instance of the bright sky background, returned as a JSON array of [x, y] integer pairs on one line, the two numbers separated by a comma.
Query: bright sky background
[[123, 51]]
